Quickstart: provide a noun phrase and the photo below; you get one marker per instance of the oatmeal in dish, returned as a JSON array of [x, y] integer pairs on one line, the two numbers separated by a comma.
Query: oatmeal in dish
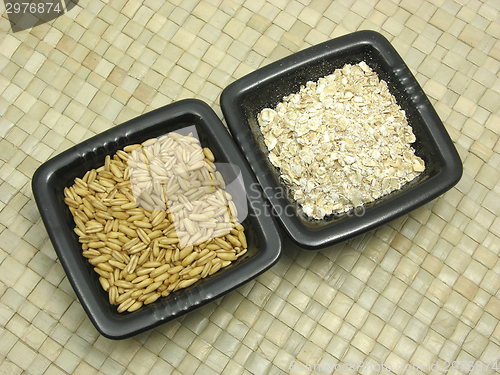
[[340, 142]]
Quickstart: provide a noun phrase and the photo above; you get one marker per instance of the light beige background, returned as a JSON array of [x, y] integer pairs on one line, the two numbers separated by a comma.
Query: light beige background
[[421, 290]]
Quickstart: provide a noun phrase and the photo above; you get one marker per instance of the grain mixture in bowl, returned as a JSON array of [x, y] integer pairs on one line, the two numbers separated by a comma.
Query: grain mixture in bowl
[[170, 228], [340, 142]]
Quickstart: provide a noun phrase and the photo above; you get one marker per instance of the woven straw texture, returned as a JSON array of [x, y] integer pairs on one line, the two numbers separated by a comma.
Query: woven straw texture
[[415, 296]]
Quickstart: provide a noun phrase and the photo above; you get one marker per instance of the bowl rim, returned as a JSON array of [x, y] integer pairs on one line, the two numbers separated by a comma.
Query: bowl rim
[[49, 204], [234, 95]]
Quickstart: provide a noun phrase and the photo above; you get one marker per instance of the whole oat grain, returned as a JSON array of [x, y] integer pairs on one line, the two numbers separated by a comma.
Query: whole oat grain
[[168, 238]]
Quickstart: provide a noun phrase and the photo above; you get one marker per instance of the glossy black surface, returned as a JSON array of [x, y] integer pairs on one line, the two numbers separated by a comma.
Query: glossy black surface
[[49, 181], [245, 98]]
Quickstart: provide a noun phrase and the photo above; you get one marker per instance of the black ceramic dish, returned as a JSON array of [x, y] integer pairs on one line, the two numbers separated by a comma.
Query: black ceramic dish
[[245, 98], [264, 241]]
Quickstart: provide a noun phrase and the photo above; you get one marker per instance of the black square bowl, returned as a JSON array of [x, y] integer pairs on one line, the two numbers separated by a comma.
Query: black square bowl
[[245, 98], [50, 179]]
